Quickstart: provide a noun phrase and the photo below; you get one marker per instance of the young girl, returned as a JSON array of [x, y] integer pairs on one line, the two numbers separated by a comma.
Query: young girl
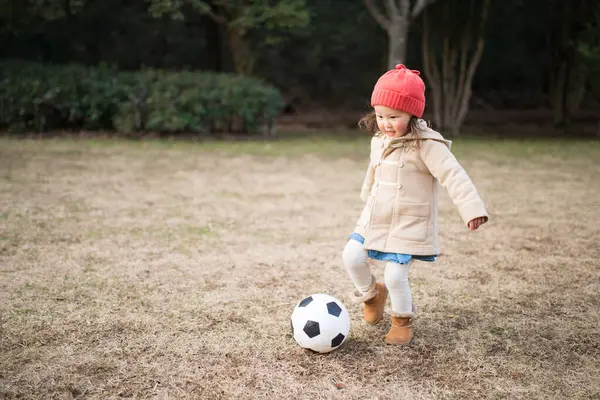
[[400, 191]]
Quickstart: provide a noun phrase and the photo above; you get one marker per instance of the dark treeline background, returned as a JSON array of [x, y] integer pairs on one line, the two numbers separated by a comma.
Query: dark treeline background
[[531, 59]]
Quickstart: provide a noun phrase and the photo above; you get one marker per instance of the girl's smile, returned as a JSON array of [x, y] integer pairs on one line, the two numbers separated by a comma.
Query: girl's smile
[[391, 122]]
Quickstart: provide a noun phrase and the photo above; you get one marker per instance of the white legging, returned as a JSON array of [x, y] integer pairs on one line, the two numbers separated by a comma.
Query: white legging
[[396, 276]]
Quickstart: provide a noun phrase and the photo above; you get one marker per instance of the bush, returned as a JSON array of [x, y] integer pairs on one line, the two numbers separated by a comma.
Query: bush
[[46, 97]]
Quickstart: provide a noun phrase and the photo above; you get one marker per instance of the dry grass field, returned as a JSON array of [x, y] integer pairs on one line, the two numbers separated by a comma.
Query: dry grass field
[[169, 270]]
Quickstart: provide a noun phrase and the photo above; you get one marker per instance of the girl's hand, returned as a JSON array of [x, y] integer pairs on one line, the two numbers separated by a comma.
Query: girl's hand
[[476, 223]]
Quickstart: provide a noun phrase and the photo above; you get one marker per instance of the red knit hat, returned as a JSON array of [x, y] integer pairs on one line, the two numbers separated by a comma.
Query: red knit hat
[[402, 89]]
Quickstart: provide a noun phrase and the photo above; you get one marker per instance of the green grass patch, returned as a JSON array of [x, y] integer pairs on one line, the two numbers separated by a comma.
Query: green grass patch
[[345, 144], [230, 194], [170, 232], [199, 231], [529, 149], [23, 311]]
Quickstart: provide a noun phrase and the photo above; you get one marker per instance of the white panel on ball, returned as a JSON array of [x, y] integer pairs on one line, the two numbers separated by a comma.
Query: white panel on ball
[[320, 322]]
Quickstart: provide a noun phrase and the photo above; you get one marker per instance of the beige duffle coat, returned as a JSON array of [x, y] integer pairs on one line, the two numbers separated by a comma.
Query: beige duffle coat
[[401, 193]]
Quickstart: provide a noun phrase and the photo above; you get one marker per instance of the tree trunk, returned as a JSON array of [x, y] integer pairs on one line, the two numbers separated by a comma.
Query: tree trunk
[[214, 44], [567, 75], [243, 58], [450, 72], [567, 92], [432, 72], [397, 37], [557, 95], [395, 20]]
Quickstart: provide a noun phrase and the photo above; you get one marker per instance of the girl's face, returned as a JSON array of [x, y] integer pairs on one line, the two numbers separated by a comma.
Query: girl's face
[[391, 122]]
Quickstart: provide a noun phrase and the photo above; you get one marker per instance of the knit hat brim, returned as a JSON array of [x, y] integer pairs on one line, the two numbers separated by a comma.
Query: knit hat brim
[[397, 101]]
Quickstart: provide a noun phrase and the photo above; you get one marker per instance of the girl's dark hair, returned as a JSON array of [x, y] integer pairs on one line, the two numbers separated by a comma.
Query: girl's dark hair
[[368, 123]]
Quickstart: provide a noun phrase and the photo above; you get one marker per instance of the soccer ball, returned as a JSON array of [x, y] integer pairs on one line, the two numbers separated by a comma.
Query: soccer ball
[[320, 323]]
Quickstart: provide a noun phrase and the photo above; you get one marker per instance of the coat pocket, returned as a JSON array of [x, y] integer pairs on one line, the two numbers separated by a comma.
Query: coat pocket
[[411, 221]]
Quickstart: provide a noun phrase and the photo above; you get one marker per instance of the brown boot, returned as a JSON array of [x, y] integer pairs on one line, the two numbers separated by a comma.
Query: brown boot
[[373, 310], [401, 332]]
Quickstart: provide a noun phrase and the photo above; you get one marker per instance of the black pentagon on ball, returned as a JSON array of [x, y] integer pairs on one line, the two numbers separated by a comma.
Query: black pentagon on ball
[[311, 329], [336, 341], [334, 309], [306, 301]]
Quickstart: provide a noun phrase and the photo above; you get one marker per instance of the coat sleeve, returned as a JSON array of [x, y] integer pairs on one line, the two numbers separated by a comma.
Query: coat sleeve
[[368, 182], [370, 175], [445, 168]]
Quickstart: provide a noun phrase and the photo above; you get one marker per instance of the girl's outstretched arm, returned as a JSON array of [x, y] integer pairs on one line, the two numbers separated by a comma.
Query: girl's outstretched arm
[[370, 175], [445, 168], [368, 182]]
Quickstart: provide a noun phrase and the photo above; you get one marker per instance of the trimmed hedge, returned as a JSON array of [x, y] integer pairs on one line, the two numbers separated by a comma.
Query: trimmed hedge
[[44, 97]]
